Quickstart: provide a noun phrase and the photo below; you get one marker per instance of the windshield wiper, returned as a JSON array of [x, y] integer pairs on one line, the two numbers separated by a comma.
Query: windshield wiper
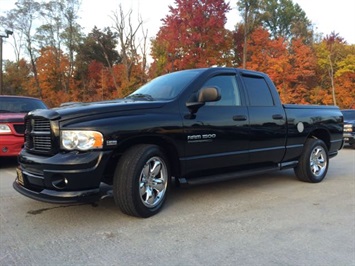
[[140, 96]]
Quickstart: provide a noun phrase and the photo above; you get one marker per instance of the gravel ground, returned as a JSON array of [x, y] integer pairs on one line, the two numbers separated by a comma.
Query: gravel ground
[[270, 219]]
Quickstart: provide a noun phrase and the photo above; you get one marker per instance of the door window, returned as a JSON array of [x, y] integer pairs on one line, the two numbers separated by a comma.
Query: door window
[[228, 87], [258, 91]]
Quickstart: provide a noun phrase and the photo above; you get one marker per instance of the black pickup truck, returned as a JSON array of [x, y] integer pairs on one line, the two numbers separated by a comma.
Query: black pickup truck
[[192, 126]]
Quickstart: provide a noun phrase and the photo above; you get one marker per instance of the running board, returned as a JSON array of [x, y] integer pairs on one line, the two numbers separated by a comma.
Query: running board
[[225, 177]]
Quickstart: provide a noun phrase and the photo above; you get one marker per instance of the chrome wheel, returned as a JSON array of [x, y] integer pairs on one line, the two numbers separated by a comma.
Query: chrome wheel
[[153, 182], [313, 162], [318, 161]]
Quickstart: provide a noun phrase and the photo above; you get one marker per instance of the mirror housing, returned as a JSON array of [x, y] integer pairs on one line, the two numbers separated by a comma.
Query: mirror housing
[[204, 95]]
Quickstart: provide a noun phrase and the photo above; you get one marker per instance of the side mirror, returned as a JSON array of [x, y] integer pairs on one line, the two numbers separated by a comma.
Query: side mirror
[[208, 94]]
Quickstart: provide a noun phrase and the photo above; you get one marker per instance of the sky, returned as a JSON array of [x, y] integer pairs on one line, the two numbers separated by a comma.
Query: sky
[[326, 15]]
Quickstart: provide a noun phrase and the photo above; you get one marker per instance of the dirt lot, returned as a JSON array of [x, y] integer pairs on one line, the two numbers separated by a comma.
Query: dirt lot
[[270, 219]]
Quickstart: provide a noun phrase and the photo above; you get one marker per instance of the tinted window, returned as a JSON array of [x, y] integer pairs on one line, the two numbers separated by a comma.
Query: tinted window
[[258, 91], [20, 105], [227, 85], [168, 86], [349, 115]]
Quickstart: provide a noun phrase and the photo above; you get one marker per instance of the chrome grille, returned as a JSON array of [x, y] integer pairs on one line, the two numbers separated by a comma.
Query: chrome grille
[[41, 125], [38, 135], [42, 143]]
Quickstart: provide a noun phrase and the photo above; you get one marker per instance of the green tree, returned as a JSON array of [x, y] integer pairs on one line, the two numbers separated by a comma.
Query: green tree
[[330, 52], [98, 46], [284, 19]]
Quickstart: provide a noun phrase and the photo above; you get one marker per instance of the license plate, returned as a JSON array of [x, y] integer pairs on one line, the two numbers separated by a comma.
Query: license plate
[[346, 139], [20, 176]]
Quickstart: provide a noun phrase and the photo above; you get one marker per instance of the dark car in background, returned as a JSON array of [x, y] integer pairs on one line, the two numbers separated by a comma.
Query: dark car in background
[[349, 127], [12, 128]]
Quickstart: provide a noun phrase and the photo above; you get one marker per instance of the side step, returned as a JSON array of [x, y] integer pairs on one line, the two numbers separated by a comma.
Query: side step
[[226, 176]]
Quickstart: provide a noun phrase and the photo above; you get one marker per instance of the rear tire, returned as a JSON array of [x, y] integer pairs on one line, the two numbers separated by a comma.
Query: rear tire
[[313, 163], [141, 181]]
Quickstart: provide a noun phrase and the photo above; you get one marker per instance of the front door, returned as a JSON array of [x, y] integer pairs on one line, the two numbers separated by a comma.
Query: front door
[[217, 135]]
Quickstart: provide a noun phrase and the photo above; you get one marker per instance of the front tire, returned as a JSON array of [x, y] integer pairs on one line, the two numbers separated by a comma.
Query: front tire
[[313, 164], [141, 181]]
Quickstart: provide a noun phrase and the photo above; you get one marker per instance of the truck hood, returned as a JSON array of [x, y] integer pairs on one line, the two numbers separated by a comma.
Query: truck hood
[[12, 117], [349, 122], [76, 110]]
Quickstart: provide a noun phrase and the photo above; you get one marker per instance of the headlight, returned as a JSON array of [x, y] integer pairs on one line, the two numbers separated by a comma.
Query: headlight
[[4, 128], [348, 128], [81, 140]]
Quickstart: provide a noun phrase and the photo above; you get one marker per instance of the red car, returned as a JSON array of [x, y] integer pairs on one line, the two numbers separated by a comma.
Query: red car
[[12, 112]]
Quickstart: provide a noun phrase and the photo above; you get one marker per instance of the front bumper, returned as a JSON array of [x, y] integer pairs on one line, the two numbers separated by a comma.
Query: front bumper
[[349, 137], [58, 197], [63, 178], [10, 145]]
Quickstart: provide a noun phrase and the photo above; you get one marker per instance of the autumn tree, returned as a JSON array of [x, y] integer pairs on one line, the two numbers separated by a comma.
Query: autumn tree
[[50, 76], [269, 56], [16, 78], [96, 52], [291, 65], [192, 35], [330, 51], [60, 30], [302, 74], [238, 47], [345, 78]]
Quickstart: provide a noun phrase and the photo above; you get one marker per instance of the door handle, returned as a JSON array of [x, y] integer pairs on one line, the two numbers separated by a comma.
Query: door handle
[[277, 117], [240, 118]]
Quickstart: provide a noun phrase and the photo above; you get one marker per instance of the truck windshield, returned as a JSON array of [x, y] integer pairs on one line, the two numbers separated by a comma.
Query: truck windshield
[[349, 115], [165, 87], [20, 105]]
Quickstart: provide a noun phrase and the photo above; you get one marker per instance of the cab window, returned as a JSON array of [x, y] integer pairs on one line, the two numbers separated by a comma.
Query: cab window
[[258, 91], [228, 88]]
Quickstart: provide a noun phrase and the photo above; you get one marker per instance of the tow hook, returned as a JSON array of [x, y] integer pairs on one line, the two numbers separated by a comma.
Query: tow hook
[[109, 194]]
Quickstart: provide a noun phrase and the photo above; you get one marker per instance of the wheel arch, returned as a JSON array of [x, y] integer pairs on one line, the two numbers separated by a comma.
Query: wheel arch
[[167, 146], [322, 134]]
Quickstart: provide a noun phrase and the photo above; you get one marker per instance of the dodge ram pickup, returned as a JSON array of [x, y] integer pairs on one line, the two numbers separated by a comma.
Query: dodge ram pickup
[[190, 127]]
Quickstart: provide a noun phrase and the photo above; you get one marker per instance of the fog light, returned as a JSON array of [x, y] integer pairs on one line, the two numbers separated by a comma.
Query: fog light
[[60, 183]]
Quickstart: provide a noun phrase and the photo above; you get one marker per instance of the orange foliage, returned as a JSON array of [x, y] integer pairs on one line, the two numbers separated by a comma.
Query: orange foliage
[[345, 90], [302, 76], [290, 66], [52, 66], [320, 96]]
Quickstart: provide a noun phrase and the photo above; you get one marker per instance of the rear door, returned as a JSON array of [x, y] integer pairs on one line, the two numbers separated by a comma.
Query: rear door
[[267, 121]]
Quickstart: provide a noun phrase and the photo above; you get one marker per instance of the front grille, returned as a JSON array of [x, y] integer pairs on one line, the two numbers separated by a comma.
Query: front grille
[[41, 125], [38, 135], [20, 129]]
